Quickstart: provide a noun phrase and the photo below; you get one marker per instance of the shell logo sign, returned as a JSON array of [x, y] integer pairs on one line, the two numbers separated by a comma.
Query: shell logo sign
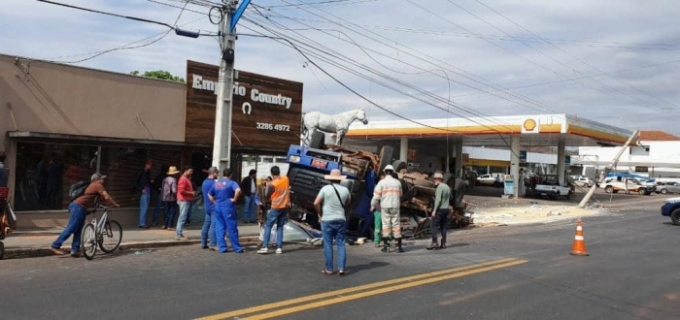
[[530, 126]]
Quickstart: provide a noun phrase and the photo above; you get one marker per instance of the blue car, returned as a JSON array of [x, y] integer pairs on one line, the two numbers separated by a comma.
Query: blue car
[[672, 209]]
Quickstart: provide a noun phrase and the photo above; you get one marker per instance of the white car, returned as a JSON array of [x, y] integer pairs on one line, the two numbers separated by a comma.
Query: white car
[[489, 179], [582, 181]]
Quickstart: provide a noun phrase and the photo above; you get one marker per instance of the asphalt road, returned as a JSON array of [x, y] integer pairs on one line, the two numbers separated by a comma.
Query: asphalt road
[[520, 272]]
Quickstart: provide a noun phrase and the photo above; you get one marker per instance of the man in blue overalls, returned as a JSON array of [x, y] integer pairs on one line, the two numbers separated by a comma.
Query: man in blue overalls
[[224, 195]]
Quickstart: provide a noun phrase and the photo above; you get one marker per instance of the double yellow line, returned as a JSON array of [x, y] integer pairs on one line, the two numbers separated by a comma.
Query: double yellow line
[[276, 309]]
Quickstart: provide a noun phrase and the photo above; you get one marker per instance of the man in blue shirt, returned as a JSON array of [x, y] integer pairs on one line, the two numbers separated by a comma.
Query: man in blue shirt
[[224, 195], [209, 223]]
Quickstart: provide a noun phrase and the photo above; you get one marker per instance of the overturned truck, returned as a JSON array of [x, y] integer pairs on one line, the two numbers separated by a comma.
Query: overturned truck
[[308, 166]]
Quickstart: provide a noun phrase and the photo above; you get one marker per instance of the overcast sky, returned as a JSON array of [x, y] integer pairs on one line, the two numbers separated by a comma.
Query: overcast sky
[[613, 61]]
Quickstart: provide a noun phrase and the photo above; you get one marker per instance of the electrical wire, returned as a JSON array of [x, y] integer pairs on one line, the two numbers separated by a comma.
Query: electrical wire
[[342, 67], [424, 57], [572, 56]]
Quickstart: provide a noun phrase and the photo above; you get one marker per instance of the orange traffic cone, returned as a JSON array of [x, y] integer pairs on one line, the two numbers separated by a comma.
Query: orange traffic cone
[[579, 247]]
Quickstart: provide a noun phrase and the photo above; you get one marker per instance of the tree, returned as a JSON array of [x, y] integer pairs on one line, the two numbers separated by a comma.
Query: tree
[[159, 74]]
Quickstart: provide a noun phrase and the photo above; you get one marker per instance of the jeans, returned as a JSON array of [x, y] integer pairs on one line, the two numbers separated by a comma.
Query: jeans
[[157, 209], [277, 216], [438, 224], [366, 227], [184, 207], [76, 221], [334, 230], [189, 212], [170, 212], [249, 208], [143, 207], [226, 223], [208, 230]]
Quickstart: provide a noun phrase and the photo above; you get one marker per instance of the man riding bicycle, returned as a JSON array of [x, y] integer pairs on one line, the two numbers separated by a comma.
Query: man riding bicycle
[[78, 209]]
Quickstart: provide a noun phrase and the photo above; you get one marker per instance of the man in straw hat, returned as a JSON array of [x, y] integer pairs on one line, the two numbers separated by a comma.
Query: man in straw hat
[[78, 210], [440, 211], [331, 206], [387, 196]]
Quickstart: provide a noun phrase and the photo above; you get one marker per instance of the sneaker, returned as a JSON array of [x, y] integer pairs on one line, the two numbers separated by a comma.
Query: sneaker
[[279, 251], [263, 251]]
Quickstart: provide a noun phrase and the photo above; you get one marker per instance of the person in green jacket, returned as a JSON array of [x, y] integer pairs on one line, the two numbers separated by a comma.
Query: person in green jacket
[[440, 211], [377, 223]]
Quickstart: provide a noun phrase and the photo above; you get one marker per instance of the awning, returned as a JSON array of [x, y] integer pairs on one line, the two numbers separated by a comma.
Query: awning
[[80, 139]]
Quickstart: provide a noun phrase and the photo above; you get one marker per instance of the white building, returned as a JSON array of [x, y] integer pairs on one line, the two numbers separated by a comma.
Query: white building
[[657, 157]]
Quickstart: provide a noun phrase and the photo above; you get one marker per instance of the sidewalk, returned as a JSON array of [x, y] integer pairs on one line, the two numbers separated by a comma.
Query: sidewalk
[[36, 242]]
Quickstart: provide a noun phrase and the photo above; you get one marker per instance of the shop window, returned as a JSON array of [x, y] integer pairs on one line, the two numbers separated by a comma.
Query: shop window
[[641, 169], [44, 173]]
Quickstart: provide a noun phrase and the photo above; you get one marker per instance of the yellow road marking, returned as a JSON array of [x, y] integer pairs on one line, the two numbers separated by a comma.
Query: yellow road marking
[[290, 302], [360, 295]]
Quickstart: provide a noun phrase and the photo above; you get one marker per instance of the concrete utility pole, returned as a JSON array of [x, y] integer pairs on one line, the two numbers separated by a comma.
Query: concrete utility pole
[[223, 111], [603, 175]]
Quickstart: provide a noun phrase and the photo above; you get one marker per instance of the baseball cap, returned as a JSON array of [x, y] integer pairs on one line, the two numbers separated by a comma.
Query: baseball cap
[[97, 176]]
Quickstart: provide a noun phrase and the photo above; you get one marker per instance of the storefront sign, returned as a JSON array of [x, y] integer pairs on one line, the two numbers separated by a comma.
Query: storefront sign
[[262, 106]]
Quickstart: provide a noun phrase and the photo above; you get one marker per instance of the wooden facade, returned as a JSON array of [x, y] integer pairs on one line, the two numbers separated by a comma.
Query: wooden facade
[[258, 127]]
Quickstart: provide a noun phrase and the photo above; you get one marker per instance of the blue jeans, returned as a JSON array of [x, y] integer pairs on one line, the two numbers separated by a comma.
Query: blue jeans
[[170, 212], [249, 208], [366, 227], [208, 230], [277, 216], [157, 209], [226, 223], [183, 213], [334, 230], [143, 207], [76, 221], [189, 212]]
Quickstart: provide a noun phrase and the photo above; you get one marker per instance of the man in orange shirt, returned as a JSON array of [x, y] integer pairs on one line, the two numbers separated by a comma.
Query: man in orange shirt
[[278, 190], [78, 210]]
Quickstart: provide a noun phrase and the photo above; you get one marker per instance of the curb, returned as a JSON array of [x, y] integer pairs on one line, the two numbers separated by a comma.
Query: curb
[[33, 252]]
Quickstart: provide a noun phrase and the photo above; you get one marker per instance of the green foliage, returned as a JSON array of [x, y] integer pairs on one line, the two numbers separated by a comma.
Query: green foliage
[[159, 74]]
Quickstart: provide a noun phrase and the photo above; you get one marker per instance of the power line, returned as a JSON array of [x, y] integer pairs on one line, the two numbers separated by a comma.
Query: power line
[[430, 59], [124, 47], [343, 67], [569, 54]]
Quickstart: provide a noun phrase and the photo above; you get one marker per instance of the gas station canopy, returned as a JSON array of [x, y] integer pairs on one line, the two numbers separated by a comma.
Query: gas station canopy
[[534, 130]]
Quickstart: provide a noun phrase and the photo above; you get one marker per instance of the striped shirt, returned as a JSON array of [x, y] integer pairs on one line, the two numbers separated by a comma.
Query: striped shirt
[[387, 194]]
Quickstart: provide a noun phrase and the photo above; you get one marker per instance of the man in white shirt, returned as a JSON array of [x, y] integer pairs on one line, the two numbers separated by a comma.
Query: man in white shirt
[[387, 195]]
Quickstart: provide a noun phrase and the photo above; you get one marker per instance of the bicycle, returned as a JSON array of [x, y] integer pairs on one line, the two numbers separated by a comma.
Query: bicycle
[[96, 232]]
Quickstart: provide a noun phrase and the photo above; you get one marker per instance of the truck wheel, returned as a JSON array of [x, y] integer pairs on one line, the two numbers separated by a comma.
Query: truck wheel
[[642, 192], [675, 217], [385, 157], [608, 189], [399, 164]]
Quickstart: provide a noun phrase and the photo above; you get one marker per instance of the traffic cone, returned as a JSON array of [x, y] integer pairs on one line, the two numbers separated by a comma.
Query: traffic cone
[[579, 247]]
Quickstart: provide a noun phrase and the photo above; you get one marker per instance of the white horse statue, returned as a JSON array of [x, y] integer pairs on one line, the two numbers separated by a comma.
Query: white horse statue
[[337, 123]]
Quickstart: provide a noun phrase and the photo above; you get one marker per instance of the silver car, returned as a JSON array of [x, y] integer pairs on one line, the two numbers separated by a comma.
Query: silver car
[[672, 187]]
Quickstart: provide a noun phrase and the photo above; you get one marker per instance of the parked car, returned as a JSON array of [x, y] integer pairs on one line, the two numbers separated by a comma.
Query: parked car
[[491, 179], [583, 181], [613, 185], [671, 208], [668, 188]]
